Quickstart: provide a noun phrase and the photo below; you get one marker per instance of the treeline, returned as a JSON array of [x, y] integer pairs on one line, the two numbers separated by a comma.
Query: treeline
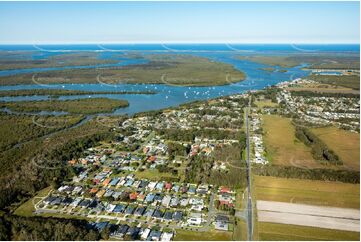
[[207, 111], [14, 227], [76, 106], [268, 93], [346, 176], [319, 149], [190, 135], [324, 94], [62, 92]]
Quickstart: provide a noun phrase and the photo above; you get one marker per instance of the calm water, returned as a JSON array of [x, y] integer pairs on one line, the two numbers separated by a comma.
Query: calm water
[[168, 95]]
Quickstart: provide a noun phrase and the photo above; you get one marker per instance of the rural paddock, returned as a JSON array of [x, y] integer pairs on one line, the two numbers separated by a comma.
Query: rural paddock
[[308, 215]]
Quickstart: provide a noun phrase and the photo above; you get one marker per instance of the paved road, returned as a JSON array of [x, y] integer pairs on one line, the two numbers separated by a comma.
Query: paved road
[[249, 199]]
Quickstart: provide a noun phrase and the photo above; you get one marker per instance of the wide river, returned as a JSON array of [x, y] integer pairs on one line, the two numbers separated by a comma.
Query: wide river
[[167, 95]]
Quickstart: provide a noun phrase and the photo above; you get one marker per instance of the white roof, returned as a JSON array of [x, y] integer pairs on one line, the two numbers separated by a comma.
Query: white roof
[[166, 236]]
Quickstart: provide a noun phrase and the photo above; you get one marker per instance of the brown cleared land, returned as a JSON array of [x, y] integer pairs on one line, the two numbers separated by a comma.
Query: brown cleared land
[[344, 143], [282, 146], [335, 194]]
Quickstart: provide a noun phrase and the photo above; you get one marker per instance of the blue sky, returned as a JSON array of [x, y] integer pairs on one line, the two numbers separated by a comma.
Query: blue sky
[[205, 22]]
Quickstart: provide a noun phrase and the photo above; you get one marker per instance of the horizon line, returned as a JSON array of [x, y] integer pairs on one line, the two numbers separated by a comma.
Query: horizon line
[[200, 43]]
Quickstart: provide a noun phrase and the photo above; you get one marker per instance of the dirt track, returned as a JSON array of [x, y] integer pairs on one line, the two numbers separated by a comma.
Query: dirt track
[[308, 215]]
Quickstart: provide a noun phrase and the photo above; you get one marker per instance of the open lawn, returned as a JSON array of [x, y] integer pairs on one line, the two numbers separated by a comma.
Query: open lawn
[[344, 143], [335, 194], [265, 103], [27, 208], [240, 231], [282, 146], [273, 231], [185, 235], [153, 174]]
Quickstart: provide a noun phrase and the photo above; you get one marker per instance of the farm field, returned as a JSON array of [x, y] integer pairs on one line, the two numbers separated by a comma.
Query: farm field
[[344, 143], [282, 146], [273, 231], [335, 194]]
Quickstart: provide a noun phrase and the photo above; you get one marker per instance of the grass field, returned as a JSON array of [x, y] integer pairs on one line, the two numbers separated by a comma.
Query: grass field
[[273, 231], [213, 235], [240, 231], [282, 146], [265, 103], [27, 208], [323, 88], [153, 174], [322, 193], [344, 143], [350, 81]]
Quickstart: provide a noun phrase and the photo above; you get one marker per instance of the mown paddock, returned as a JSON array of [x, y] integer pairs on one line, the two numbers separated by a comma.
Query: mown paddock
[[282, 146], [282, 232], [336, 194], [345, 144], [26, 209], [265, 103], [213, 235], [324, 88]]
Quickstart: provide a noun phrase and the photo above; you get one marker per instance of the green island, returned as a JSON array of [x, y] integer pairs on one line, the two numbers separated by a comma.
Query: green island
[[63, 92], [269, 69], [14, 60], [78, 106], [315, 61], [171, 69]]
